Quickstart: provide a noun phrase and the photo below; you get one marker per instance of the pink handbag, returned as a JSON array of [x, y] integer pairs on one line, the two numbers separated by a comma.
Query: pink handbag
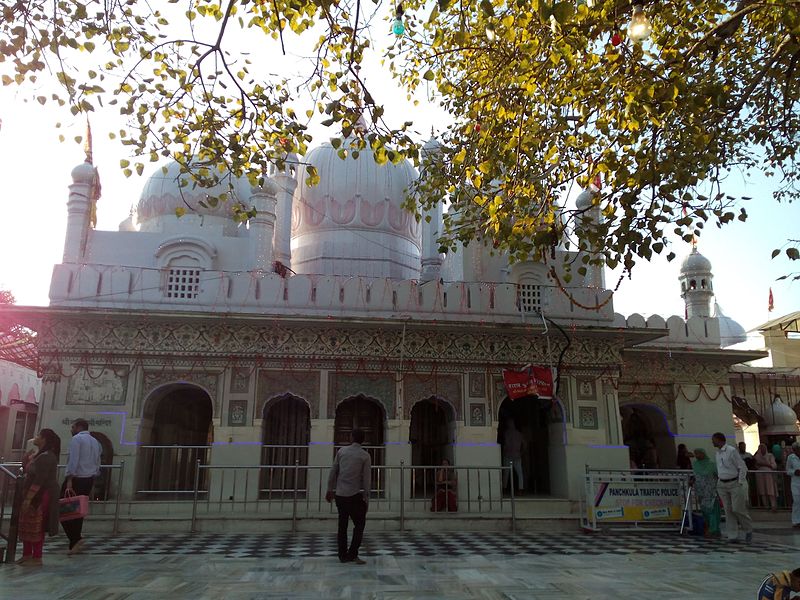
[[72, 507]]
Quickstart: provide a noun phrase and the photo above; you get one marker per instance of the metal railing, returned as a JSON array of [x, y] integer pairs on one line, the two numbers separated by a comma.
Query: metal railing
[[169, 471], [10, 502], [234, 491], [781, 484]]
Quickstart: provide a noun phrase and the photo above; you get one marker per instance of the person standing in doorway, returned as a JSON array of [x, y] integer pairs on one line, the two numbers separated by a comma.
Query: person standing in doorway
[[513, 444], [83, 465], [732, 489], [793, 470], [349, 483]]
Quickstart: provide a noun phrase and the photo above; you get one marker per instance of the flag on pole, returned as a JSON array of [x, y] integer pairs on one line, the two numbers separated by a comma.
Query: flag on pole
[[771, 305]]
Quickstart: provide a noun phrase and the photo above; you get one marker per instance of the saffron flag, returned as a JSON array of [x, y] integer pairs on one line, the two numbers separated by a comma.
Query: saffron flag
[[530, 381], [771, 305]]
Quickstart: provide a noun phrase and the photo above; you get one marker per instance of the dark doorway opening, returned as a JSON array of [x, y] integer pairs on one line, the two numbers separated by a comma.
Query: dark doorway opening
[[431, 436], [362, 412], [531, 417], [286, 434]]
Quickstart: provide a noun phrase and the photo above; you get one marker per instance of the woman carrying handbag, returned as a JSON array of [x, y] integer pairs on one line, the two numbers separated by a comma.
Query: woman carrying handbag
[[39, 511]]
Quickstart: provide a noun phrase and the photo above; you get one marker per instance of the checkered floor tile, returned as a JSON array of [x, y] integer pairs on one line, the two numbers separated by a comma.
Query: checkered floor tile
[[303, 545]]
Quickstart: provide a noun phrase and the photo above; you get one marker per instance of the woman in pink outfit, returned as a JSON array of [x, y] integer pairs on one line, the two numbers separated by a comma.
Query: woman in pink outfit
[[765, 482], [39, 511]]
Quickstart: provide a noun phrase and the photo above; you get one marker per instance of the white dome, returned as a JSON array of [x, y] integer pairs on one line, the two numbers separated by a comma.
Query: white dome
[[730, 332], [163, 194], [695, 263], [780, 417], [352, 223]]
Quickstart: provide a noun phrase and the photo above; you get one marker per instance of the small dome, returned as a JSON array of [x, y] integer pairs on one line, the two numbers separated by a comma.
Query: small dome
[[163, 194], [432, 146], [83, 173], [353, 222], [585, 199], [695, 263], [779, 415], [730, 332]]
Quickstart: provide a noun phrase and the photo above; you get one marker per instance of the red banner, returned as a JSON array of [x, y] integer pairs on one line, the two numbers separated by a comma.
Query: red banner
[[530, 381]]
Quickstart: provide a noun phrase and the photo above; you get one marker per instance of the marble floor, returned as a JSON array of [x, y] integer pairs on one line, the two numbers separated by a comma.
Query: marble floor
[[409, 566]]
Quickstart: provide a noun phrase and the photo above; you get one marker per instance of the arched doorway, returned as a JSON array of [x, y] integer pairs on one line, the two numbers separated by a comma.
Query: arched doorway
[[531, 417], [176, 432], [286, 433], [101, 490], [367, 414], [645, 431], [431, 438]]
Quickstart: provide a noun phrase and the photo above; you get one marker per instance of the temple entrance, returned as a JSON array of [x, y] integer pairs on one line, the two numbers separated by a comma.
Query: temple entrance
[[362, 412], [176, 432], [646, 433], [431, 437], [101, 490], [286, 434], [524, 428]]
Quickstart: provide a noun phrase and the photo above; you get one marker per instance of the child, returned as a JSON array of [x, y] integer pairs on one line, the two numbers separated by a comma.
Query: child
[[780, 585]]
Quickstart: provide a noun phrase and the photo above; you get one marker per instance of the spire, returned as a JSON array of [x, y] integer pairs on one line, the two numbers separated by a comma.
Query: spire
[[87, 143]]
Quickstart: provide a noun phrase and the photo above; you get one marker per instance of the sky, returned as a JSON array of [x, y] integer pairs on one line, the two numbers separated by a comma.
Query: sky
[[35, 169]]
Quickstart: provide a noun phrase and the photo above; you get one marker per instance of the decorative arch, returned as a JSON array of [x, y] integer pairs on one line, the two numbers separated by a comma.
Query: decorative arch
[[178, 249], [368, 414], [176, 431], [286, 433], [431, 435]]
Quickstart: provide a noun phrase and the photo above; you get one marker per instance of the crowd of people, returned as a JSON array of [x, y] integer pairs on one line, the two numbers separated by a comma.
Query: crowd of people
[[720, 479]]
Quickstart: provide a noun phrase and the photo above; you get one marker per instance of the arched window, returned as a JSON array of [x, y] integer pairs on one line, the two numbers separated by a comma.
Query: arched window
[[182, 260]]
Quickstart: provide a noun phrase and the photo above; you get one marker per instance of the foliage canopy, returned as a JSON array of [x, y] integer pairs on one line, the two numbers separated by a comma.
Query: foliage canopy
[[542, 96]]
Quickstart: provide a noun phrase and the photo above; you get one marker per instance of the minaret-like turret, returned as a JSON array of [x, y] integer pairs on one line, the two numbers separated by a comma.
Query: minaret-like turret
[[432, 225], [287, 183], [262, 226], [79, 211], [588, 219], [697, 290]]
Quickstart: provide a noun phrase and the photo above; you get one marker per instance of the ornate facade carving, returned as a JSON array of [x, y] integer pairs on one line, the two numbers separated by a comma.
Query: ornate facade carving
[[293, 340], [380, 386], [675, 368], [303, 384], [447, 387]]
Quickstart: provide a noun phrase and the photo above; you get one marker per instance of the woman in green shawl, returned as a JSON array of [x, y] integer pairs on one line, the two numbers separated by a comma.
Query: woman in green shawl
[[705, 486]]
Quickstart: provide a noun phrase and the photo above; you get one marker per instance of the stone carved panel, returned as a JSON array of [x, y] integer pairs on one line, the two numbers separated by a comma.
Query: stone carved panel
[[303, 384], [98, 385], [380, 386], [448, 387], [240, 380]]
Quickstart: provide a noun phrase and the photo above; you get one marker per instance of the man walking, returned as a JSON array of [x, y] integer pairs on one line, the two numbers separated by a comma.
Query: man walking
[[732, 489], [83, 465], [349, 483], [793, 470]]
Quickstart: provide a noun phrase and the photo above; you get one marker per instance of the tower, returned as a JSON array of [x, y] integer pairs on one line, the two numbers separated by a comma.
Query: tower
[[697, 290]]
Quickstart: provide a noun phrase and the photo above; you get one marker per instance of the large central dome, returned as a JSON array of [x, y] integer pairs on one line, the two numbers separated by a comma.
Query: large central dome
[[352, 223]]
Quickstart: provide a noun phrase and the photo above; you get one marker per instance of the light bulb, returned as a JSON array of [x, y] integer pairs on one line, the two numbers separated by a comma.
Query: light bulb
[[639, 27], [398, 27]]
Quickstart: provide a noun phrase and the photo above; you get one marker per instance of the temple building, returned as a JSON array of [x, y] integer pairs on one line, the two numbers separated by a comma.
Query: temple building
[[268, 342]]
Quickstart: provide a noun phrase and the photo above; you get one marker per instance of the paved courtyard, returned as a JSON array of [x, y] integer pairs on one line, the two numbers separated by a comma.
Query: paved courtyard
[[408, 566]]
